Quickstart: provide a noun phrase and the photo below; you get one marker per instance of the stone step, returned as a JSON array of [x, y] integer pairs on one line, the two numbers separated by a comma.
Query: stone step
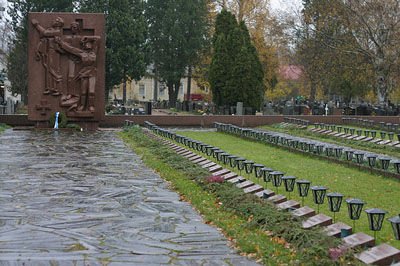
[[336, 229], [253, 189], [383, 254], [276, 199], [304, 212], [317, 220], [245, 184], [266, 193], [290, 204], [359, 239]]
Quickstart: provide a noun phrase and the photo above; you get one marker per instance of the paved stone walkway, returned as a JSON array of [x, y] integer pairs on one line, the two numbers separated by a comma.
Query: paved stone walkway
[[85, 199]]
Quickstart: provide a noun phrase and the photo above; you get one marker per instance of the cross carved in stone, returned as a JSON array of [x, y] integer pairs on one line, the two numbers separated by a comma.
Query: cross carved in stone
[[43, 107]]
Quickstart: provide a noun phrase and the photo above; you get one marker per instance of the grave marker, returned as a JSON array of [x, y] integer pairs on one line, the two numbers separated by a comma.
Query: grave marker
[[383, 254]]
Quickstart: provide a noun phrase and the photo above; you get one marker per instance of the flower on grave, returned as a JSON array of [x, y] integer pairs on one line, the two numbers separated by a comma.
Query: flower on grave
[[336, 253], [215, 179]]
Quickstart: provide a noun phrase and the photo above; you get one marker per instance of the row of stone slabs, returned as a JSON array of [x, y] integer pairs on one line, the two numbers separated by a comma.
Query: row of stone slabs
[[356, 137], [383, 254]]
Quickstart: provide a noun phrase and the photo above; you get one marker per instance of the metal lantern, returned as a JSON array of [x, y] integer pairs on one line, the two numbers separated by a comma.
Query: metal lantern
[[346, 130], [359, 132], [311, 147], [320, 149], [335, 201], [200, 146], [248, 166], [232, 160], [289, 182], [352, 131], [359, 157], [295, 143], [329, 151], [205, 148], [354, 207], [349, 154], [257, 170], [382, 124], [225, 158], [373, 134], [391, 135], [240, 164], [383, 134], [303, 186], [276, 177], [319, 194], [371, 160], [338, 152], [339, 129], [266, 175], [395, 221], [375, 219], [218, 155], [384, 163], [211, 150], [396, 165], [366, 133]]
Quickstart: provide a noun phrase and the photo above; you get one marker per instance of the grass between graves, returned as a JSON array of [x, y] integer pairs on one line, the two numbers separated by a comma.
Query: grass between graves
[[377, 191], [255, 227], [355, 144]]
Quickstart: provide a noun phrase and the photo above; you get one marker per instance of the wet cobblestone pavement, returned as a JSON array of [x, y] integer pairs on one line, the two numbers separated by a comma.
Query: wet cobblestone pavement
[[71, 198]]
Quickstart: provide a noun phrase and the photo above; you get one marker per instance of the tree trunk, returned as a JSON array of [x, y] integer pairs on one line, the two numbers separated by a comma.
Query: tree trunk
[[189, 84], [124, 89], [171, 95]]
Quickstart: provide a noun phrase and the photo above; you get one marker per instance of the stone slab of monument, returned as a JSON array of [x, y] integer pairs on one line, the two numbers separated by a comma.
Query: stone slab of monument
[[253, 189], [336, 229], [231, 175], [66, 68], [304, 212], [239, 108], [245, 184], [383, 254], [317, 220], [288, 205], [266, 193]]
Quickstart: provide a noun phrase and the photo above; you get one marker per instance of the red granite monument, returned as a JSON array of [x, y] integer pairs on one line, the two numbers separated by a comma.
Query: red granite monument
[[66, 68]]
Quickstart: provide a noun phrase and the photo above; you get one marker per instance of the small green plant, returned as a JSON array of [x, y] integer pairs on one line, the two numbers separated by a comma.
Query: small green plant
[[77, 127]]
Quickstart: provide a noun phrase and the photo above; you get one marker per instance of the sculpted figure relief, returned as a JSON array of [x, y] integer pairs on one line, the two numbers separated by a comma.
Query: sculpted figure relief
[[81, 52]]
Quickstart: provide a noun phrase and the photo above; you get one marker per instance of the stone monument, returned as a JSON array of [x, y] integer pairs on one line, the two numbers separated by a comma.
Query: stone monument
[[66, 68]]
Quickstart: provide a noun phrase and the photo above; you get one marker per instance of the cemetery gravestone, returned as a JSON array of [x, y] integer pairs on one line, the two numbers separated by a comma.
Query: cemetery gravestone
[[66, 68]]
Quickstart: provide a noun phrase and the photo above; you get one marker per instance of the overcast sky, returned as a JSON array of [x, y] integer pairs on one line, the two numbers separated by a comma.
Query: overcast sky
[[286, 5]]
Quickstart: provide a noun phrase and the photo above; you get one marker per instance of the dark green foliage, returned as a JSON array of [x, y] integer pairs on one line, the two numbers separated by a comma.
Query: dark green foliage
[[236, 73], [17, 66], [178, 31], [62, 120], [127, 50]]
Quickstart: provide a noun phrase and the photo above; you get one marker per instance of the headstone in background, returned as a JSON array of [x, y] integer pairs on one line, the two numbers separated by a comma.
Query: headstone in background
[[289, 108], [10, 106], [178, 106], [239, 108], [268, 109]]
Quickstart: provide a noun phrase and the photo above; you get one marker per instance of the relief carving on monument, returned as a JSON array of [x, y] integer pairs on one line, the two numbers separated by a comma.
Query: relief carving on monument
[[66, 66]]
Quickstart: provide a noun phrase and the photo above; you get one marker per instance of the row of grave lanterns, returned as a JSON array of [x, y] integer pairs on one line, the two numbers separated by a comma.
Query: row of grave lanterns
[[311, 146], [359, 132], [369, 123], [355, 206]]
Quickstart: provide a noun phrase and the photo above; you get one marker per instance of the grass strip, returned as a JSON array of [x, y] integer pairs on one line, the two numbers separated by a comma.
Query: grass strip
[[355, 144], [377, 191], [256, 228]]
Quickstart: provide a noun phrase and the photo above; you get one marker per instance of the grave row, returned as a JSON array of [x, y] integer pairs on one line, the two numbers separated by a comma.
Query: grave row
[[369, 123], [350, 156], [382, 254]]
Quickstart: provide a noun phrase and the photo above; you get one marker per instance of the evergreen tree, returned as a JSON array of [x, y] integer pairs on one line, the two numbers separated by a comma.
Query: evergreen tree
[[127, 50], [236, 73], [178, 31]]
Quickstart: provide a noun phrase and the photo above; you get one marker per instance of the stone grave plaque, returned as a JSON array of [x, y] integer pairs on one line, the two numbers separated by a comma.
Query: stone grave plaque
[[375, 140], [345, 136], [290, 204], [384, 142], [201, 159], [327, 132], [208, 165], [332, 133], [360, 138], [276, 199], [397, 146], [237, 179], [183, 152], [215, 168], [192, 155], [359, 239], [204, 162], [188, 153], [339, 134], [367, 139], [222, 172], [254, 189], [352, 137], [245, 184], [193, 158], [230, 176], [266, 193], [66, 68], [317, 220], [393, 143], [304, 212], [336, 229], [383, 254]]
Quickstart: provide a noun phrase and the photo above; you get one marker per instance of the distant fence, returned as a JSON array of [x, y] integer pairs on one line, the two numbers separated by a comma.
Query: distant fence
[[205, 120]]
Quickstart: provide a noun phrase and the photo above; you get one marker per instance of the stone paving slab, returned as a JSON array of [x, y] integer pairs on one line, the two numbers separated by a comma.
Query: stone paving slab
[[84, 198]]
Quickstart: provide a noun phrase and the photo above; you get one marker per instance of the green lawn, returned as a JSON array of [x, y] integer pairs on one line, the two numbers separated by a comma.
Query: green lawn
[[377, 191]]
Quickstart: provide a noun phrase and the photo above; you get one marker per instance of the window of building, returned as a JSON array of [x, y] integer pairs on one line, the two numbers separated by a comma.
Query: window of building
[[162, 89], [142, 89]]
